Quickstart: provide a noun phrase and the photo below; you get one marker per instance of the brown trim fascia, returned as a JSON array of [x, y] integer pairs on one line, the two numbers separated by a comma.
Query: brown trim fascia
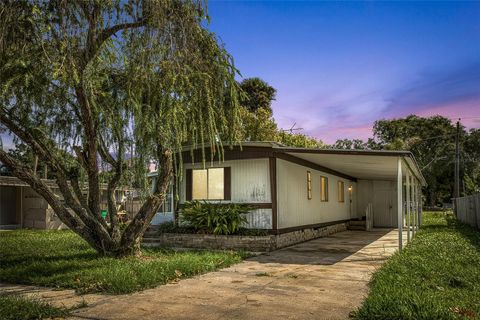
[[389, 153], [188, 184], [254, 205], [311, 165], [272, 164], [227, 183], [262, 152], [307, 226], [235, 153]]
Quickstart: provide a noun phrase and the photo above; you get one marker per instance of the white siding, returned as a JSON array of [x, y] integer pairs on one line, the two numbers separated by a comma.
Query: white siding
[[250, 180], [383, 196], [294, 209], [259, 219]]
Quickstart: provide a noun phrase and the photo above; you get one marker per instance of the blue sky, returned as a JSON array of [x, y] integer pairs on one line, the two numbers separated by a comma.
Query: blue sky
[[339, 66]]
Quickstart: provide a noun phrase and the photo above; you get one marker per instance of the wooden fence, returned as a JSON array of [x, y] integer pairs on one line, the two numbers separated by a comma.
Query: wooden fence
[[467, 210]]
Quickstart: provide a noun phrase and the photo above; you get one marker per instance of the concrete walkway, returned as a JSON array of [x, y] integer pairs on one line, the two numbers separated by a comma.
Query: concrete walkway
[[324, 278]]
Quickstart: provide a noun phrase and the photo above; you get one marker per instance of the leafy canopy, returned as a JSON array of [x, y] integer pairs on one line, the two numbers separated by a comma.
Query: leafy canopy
[[432, 141], [116, 83]]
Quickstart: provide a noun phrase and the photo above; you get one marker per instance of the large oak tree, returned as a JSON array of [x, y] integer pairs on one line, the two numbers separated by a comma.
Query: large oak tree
[[89, 83]]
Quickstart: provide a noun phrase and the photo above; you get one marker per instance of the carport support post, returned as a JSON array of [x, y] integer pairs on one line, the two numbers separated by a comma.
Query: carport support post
[[415, 206], [400, 203], [408, 212]]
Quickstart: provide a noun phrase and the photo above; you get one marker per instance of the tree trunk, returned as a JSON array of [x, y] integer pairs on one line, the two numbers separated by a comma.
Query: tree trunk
[[86, 225], [131, 237]]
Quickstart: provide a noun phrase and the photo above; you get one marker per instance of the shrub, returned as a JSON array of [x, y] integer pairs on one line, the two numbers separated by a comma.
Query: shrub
[[216, 218], [171, 227]]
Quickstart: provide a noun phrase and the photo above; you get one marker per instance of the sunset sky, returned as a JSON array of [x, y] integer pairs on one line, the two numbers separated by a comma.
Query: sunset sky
[[339, 66]]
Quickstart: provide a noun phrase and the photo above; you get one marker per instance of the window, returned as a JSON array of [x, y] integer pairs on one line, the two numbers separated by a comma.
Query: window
[[208, 184], [323, 189], [309, 185], [341, 191]]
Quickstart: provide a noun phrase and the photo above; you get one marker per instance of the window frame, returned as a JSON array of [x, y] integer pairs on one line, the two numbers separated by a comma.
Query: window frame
[[309, 185], [226, 184], [323, 189], [341, 191]]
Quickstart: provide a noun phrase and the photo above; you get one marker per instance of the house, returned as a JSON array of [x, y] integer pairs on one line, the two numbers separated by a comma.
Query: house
[[22, 207], [304, 193]]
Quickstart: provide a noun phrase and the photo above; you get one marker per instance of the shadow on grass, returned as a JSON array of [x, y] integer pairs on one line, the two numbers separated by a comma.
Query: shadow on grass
[[469, 233], [49, 259]]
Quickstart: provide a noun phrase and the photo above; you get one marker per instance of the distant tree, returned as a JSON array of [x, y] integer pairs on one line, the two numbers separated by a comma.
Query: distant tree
[[257, 95], [349, 144], [99, 80], [356, 144], [471, 161], [257, 120], [298, 140], [258, 125], [432, 141]]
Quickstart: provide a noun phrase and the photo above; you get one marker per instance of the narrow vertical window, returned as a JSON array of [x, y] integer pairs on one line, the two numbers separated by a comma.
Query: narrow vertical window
[[324, 189], [341, 191], [309, 185]]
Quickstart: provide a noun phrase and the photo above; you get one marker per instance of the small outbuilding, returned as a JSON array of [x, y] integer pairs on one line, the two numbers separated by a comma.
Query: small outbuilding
[[22, 207]]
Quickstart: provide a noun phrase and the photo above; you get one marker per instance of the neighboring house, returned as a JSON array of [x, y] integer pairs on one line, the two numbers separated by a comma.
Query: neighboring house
[[22, 207], [295, 189]]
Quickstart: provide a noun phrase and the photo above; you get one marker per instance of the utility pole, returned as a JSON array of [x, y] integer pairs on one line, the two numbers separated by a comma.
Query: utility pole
[[456, 187]]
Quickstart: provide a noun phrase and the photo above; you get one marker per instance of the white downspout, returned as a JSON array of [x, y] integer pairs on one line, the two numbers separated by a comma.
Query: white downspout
[[415, 207]]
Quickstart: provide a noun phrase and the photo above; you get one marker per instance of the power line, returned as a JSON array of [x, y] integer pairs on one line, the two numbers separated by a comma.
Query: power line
[[463, 118], [436, 137]]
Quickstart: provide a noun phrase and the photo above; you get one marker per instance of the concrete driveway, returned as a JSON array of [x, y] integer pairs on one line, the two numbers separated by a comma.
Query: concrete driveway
[[324, 278]]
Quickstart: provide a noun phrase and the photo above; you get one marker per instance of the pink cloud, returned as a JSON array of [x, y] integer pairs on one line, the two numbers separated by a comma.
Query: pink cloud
[[467, 111]]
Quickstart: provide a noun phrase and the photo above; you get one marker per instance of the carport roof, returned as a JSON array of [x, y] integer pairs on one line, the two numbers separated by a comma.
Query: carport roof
[[360, 164]]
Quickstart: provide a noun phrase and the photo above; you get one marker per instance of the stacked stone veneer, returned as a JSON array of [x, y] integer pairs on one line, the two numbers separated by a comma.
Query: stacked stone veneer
[[250, 243], [289, 238]]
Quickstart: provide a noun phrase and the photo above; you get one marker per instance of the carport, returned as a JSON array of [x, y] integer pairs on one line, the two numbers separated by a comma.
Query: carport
[[389, 184]]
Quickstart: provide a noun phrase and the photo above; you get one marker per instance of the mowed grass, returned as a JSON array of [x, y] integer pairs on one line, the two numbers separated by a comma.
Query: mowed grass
[[437, 276], [14, 307], [62, 259]]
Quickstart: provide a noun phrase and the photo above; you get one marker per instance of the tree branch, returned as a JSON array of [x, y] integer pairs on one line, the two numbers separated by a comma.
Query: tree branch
[[25, 174], [140, 222], [107, 33], [104, 153], [36, 144]]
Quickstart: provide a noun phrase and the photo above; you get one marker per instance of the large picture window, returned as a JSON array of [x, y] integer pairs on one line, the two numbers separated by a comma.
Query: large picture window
[[323, 189], [208, 184], [341, 191]]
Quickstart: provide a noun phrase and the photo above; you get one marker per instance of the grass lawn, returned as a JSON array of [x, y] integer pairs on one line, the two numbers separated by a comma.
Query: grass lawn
[[13, 307], [64, 260], [437, 276]]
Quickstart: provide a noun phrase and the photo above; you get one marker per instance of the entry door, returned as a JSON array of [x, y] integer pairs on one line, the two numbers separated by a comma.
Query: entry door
[[8, 208], [383, 213]]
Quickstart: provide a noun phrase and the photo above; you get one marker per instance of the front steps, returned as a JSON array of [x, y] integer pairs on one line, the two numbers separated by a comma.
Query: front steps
[[360, 225]]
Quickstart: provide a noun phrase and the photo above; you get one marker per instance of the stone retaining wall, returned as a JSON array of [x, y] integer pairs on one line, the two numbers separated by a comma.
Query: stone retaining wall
[[289, 238], [249, 243]]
